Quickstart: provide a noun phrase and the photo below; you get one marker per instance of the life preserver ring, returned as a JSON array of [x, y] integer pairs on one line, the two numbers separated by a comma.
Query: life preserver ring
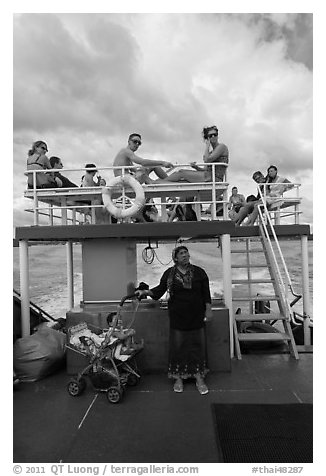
[[138, 202]]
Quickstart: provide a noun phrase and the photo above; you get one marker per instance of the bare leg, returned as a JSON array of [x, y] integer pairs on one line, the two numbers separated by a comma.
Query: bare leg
[[159, 172], [191, 176], [253, 216], [244, 212]]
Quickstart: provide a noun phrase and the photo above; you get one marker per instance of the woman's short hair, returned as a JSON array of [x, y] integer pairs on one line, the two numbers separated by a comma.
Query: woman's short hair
[[207, 129], [177, 250], [35, 145]]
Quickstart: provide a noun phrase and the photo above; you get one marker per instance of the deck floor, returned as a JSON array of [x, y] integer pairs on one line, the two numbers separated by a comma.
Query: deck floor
[[152, 424]]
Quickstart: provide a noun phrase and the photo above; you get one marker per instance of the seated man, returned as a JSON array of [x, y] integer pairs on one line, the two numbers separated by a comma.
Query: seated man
[[236, 201], [56, 163], [249, 207], [127, 157], [272, 194]]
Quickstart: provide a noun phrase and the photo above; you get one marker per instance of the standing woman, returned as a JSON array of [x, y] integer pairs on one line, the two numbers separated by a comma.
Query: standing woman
[[189, 304], [37, 160]]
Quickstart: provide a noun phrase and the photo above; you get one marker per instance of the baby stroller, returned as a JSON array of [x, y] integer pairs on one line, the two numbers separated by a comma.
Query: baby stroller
[[111, 354]]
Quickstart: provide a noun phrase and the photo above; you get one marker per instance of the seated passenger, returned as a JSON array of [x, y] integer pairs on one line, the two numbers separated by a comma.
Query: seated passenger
[[181, 212], [37, 160], [56, 163], [102, 216], [236, 201], [88, 178], [214, 152], [273, 194], [248, 208], [127, 157], [273, 178]]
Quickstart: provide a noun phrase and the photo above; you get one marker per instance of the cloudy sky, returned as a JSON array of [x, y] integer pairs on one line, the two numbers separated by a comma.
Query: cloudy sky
[[84, 82]]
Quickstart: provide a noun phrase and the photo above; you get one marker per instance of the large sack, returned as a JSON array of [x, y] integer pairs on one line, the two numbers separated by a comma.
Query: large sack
[[39, 354]]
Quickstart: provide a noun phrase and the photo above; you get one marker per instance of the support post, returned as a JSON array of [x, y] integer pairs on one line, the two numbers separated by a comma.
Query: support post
[[227, 283], [64, 211], [70, 274], [24, 288], [305, 289], [35, 199], [51, 214]]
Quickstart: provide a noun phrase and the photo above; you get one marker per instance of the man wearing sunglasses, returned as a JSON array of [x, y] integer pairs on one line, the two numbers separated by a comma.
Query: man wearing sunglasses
[[126, 157]]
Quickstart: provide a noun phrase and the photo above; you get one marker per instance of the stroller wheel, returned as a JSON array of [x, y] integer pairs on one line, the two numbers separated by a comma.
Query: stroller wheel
[[114, 394], [132, 380], [76, 387]]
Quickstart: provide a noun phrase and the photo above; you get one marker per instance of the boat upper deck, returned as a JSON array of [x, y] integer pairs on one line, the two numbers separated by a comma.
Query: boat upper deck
[[141, 232], [126, 196]]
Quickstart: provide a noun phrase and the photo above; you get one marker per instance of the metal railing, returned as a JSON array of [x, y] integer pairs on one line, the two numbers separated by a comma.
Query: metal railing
[[278, 263], [69, 199]]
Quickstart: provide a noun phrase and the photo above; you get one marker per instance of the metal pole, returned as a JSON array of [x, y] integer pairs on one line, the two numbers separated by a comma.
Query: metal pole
[[51, 214], [36, 214], [64, 211], [70, 274], [24, 288], [305, 289], [227, 284], [213, 213]]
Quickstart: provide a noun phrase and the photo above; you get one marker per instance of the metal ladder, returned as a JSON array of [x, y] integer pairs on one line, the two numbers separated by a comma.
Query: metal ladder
[[281, 286]]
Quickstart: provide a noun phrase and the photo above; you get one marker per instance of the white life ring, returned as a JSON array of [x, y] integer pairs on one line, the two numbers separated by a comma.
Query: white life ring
[[137, 203]]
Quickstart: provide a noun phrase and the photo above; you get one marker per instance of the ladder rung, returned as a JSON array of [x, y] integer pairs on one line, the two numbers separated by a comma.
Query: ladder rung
[[248, 281], [249, 266], [256, 298], [248, 251], [272, 316], [267, 336]]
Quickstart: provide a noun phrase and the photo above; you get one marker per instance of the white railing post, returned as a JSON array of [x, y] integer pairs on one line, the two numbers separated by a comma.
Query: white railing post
[[227, 284], [93, 215], [70, 274], [64, 211], [51, 214], [225, 204], [74, 216], [36, 221], [24, 288], [213, 193], [305, 289]]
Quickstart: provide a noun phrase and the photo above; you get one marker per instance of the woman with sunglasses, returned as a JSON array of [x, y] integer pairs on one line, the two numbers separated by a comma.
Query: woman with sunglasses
[[214, 152], [37, 160]]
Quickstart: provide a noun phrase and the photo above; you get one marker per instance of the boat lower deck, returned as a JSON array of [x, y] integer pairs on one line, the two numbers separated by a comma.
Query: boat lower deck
[[151, 424]]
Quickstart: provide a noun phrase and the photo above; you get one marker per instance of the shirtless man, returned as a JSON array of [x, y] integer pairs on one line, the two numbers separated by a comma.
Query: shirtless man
[[127, 157]]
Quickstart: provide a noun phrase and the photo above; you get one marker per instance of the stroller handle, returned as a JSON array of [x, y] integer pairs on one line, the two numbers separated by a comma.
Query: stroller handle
[[129, 296]]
